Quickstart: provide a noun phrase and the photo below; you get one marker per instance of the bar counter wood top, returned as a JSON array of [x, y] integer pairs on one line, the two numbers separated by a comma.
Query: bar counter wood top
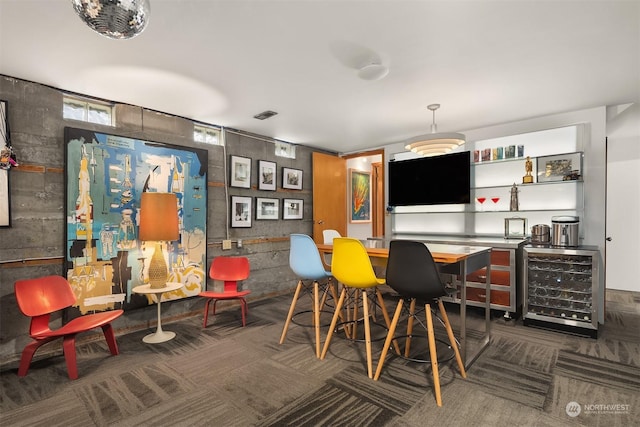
[[442, 253]]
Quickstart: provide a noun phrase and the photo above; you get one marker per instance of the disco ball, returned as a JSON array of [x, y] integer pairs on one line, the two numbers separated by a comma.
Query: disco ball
[[116, 19]]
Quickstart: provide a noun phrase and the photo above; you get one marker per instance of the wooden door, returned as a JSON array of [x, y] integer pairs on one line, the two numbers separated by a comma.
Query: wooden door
[[329, 194], [377, 200]]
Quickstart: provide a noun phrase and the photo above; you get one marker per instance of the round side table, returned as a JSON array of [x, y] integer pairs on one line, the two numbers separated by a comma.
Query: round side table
[[159, 335]]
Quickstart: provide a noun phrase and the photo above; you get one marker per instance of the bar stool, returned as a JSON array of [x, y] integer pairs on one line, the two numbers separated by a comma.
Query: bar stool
[[351, 267], [328, 235], [413, 274], [305, 261]]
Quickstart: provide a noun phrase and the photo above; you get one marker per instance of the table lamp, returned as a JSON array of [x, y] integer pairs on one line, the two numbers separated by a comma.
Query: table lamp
[[158, 223]]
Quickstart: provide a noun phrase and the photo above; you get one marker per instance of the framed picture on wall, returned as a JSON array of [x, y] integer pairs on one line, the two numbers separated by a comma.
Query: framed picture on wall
[[359, 196], [240, 172], [292, 178], [266, 175], [267, 208], [292, 209], [105, 176], [5, 211], [240, 212], [560, 167]]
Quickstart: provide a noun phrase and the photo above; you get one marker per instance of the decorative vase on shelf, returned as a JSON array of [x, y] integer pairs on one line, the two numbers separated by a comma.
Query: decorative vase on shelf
[[514, 204]]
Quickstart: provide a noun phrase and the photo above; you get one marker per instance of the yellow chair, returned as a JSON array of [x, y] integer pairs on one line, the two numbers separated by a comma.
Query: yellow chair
[[351, 266]]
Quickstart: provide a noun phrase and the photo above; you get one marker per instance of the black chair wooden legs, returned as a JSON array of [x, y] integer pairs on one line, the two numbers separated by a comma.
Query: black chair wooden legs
[[431, 338]]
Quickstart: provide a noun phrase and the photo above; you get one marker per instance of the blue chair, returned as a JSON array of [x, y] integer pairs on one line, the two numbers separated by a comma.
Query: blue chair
[[305, 262]]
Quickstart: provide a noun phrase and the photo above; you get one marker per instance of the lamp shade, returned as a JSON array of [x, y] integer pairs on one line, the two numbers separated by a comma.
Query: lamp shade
[[158, 217], [435, 143]]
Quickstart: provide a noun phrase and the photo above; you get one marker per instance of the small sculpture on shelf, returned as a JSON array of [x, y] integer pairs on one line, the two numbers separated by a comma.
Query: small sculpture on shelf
[[514, 204], [574, 175], [528, 167]]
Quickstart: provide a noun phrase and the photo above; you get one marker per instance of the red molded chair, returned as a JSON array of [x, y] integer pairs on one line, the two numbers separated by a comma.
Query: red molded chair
[[230, 270], [38, 298]]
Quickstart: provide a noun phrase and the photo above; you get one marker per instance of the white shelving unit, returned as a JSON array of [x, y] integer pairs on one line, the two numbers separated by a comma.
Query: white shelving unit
[[473, 222], [538, 201]]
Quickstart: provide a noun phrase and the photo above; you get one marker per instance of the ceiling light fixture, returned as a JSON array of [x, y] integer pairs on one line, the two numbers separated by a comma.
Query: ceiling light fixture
[[116, 19], [435, 143], [373, 71]]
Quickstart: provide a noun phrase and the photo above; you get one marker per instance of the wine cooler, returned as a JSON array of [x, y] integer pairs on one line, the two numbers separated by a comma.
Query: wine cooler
[[561, 289]]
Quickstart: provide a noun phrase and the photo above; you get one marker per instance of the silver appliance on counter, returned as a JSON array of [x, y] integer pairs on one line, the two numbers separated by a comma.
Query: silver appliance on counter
[[565, 231], [541, 234]]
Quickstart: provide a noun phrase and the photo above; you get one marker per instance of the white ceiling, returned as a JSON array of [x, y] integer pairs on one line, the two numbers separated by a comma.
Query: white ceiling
[[222, 62]]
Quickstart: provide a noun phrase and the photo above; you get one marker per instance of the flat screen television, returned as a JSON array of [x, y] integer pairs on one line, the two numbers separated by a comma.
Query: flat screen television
[[435, 180]]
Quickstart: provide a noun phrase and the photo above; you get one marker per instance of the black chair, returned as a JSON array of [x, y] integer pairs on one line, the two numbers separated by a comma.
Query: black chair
[[413, 274]]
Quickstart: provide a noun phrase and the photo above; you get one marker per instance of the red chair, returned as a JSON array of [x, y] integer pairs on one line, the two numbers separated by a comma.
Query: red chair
[[229, 270], [38, 298]]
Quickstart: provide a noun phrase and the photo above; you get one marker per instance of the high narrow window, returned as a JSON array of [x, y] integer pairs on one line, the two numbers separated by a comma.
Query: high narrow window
[[77, 108], [207, 134], [284, 149]]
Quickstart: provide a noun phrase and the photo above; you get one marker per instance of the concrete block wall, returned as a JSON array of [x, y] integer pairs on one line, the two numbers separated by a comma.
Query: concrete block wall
[[34, 245]]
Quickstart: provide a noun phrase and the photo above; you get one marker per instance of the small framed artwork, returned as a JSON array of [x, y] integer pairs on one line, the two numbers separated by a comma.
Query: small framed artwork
[[561, 167], [292, 209], [267, 208], [359, 196], [240, 211], [240, 172], [292, 178], [266, 175]]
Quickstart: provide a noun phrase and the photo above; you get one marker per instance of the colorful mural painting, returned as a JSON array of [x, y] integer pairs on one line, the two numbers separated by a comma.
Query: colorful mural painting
[[105, 177]]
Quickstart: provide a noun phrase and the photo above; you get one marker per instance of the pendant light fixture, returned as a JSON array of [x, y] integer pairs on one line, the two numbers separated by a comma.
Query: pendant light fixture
[[435, 143], [115, 19]]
